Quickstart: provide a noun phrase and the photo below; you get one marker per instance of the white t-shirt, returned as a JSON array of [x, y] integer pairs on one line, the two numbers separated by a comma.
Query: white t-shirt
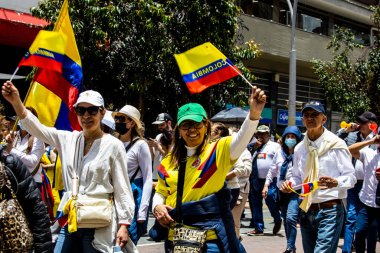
[[157, 158], [32, 159], [275, 169], [265, 158], [371, 161], [139, 156]]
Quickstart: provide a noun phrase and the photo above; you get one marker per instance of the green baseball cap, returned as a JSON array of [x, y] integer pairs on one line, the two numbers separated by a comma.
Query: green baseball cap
[[191, 111]]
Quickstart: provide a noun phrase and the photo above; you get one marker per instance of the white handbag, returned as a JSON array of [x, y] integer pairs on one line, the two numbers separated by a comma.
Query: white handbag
[[93, 212]]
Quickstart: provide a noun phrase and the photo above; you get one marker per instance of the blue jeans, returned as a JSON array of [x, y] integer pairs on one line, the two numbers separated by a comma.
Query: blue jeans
[[353, 206], [320, 229], [289, 205], [368, 220], [256, 204], [210, 247], [77, 242]]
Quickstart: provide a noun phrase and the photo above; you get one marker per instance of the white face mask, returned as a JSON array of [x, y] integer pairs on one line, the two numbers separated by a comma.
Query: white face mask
[[290, 143]]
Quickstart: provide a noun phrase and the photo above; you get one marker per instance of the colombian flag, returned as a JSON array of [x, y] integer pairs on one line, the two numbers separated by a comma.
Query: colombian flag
[[58, 81], [204, 66], [46, 51]]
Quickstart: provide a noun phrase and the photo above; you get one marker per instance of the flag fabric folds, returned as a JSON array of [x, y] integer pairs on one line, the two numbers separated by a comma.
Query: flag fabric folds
[[53, 92], [204, 66], [46, 51]]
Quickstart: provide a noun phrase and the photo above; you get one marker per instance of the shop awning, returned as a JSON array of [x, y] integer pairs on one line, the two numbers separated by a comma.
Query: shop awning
[[18, 29]]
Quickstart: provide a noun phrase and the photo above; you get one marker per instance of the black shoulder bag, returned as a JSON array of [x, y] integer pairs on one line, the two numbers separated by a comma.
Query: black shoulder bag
[[186, 239], [138, 168]]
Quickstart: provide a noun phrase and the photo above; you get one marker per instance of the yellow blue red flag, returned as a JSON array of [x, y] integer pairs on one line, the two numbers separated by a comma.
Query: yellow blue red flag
[[54, 93], [204, 66], [46, 51]]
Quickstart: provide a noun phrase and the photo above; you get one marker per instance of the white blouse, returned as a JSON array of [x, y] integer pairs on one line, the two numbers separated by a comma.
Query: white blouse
[[102, 171]]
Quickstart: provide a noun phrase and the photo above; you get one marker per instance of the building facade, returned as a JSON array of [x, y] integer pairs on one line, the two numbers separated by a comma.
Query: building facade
[[268, 22]]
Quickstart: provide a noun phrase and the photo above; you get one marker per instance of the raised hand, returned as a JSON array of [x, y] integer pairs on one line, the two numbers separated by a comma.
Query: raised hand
[[256, 103]]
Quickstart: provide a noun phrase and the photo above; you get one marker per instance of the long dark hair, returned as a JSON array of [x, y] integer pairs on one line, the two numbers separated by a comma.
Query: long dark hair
[[179, 150]]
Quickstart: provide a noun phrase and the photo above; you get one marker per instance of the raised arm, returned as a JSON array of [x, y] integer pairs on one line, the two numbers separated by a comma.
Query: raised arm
[[240, 140], [355, 148]]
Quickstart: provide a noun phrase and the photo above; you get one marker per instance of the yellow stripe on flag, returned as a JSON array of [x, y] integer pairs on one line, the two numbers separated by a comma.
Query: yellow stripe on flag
[[52, 41], [198, 57], [46, 103], [63, 25]]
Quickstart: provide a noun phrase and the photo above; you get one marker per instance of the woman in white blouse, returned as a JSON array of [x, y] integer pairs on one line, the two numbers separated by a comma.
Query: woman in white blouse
[[97, 158], [128, 127]]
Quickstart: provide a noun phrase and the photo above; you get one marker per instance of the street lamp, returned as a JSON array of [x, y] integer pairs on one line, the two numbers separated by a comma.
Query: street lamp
[[292, 65]]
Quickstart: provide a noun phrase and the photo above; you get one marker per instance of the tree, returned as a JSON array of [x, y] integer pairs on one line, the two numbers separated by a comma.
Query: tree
[[127, 48], [351, 84]]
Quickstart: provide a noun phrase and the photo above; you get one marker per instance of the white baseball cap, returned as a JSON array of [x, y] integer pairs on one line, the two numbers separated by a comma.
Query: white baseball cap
[[131, 112], [91, 97]]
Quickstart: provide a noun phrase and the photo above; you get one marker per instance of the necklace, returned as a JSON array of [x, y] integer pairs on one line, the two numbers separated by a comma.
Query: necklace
[[88, 142]]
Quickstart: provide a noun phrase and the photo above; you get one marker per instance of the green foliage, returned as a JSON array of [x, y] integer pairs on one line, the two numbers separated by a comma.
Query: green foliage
[[351, 85], [127, 48]]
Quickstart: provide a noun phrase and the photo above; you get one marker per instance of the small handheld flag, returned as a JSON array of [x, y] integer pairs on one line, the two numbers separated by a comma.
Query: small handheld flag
[[306, 188], [204, 66]]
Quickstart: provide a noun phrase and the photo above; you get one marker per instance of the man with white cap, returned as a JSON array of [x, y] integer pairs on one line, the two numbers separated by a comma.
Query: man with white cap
[[263, 152], [128, 126], [322, 158], [162, 143]]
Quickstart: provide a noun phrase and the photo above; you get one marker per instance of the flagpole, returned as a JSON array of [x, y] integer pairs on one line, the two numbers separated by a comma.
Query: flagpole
[[14, 73], [245, 79]]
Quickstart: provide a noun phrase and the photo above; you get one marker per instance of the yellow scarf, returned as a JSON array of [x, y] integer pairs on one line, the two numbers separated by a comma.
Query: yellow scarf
[[312, 163]]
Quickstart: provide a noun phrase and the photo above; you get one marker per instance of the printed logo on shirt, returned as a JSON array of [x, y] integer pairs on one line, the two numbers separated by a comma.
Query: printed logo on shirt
[[196, 163], [262, 156]]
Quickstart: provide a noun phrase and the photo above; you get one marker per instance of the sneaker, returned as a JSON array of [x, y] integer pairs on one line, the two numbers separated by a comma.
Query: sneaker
[[255, 232], [290, 251], [277, 227]]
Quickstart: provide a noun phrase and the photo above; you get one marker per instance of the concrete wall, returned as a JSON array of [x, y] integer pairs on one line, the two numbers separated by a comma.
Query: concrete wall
[[18, 5]]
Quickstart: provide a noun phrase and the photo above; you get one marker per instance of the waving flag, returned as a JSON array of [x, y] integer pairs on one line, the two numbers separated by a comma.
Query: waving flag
[[204, 66], [46, 51], [55, 90]]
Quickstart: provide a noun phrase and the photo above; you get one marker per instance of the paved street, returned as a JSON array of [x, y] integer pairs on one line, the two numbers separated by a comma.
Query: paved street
[[267, 243]]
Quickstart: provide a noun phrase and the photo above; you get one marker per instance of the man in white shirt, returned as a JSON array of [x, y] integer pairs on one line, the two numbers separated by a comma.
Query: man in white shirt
[[264, 151], [321, 157], [161, 144], [354, 133], [370, 215]]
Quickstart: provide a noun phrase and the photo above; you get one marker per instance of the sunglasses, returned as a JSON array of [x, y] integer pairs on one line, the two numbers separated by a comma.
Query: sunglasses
[[121, 118], [92, 110], [188, 125]]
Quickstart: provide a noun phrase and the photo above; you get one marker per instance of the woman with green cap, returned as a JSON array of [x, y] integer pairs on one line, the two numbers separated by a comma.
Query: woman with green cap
[[193, 176]]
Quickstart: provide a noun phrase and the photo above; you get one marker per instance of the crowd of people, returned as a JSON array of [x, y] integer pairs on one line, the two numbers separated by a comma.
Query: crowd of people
[[195, 178]]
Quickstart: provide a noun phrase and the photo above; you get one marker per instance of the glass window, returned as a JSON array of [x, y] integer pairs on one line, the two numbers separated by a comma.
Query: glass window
[[258, 8], [362, 34], [308, 20]]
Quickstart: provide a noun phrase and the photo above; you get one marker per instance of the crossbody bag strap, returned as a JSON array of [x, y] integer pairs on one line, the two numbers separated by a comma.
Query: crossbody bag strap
[[181, 182], [75, 179]]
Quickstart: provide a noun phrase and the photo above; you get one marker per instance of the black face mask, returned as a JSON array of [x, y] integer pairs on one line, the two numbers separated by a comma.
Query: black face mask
[[121, 128]]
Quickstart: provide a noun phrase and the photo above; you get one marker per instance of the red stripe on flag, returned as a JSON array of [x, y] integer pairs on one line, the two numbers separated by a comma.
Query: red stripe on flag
[[41, 62], [215, 78], [57, 84]]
